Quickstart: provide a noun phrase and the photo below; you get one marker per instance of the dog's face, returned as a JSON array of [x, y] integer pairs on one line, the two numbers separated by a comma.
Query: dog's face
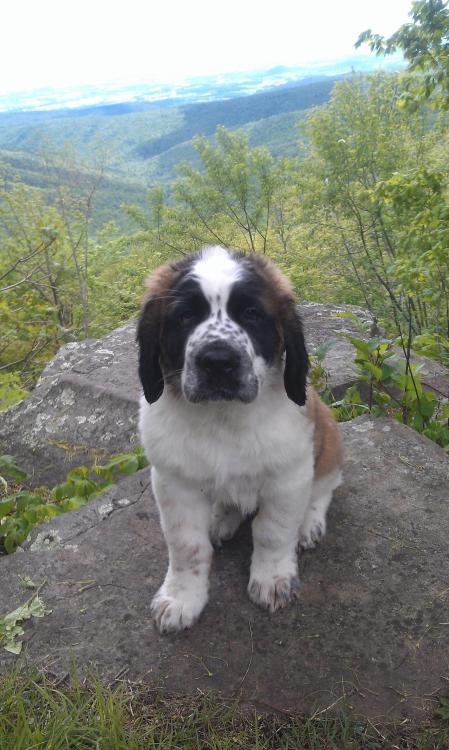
[[215, 324]]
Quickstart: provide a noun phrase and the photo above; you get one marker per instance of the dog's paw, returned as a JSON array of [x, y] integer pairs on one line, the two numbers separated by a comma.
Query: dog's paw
[[225, 522], [275, 592], [174, 613], [312, 531]]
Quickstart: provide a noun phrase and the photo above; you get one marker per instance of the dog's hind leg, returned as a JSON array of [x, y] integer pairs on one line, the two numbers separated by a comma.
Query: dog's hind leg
[[313, 528], [225, 521]]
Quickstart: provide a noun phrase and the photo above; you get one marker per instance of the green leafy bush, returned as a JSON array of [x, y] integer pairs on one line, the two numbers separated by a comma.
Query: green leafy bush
[[11, 389], [390, 385], [21, 510]]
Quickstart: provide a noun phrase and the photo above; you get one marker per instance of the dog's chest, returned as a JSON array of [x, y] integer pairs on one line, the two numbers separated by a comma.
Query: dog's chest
[[212, 446]]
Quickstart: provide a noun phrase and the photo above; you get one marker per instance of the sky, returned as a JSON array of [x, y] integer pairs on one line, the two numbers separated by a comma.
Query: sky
[[60, 43]]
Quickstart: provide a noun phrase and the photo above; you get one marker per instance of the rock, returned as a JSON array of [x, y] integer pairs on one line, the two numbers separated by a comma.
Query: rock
[[434, 376], [369, 630], [84, 407], [321, 325]]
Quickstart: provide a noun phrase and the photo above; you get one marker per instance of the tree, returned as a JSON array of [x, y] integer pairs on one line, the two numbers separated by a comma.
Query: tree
[[228, 201], [44, 267], [425, 45], [381, 202]]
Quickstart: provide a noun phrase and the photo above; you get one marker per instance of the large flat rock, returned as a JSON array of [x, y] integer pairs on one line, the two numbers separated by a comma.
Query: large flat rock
[[369, 630]]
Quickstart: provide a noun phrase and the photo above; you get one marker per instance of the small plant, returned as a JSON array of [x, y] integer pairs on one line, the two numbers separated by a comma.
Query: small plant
[[443, 709], [390, 385], [21, 510], [11, 624], [10, 470], [318, 375], [11, 389]]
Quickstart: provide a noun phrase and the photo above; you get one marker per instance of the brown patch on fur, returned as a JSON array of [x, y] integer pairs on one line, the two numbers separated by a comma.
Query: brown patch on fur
[[159, 282], [328, 445], [279, 288], [278, 294]]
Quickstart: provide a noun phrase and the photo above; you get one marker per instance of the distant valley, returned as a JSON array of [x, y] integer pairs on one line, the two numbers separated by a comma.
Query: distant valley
[[185, 91], [141, 142]]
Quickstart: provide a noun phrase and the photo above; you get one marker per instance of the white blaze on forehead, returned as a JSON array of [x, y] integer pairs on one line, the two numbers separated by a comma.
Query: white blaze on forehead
[[216, 271]]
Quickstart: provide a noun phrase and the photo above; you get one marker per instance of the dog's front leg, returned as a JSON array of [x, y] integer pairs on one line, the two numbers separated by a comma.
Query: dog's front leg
[[185, 518], [273, 579]]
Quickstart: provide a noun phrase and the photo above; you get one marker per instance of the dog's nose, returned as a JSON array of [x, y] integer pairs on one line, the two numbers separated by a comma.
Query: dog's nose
[[218, 360]]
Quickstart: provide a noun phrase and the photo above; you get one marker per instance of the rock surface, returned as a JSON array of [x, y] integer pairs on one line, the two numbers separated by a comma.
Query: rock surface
[[84, 406], [370, 627]]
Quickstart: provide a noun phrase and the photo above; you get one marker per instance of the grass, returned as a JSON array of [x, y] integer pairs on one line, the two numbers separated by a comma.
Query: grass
[[38, 713]]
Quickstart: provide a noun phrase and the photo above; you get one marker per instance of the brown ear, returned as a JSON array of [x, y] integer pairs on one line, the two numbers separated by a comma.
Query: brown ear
[[296, 358], [148, 338]]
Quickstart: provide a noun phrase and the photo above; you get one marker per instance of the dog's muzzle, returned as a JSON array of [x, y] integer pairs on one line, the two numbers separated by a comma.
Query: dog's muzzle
[[219, 372]]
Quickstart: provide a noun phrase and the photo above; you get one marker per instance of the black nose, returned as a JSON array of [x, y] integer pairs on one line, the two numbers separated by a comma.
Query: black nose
[[217, 360]]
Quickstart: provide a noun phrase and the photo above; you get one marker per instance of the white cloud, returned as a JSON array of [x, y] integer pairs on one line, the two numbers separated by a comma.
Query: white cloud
[[57, 42]]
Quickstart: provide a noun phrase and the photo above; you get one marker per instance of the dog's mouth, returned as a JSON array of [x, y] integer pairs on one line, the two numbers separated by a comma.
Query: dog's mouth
[[219, 372], [220, 394], [198, 389]]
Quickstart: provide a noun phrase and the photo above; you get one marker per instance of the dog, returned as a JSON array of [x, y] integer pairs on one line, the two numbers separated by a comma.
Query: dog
[[230, 426]]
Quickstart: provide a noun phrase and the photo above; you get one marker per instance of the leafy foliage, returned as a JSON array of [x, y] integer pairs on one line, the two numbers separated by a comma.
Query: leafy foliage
[[11, 389], [425, 46], [380, 201], [11, 624], [389, 384], [21, 510]]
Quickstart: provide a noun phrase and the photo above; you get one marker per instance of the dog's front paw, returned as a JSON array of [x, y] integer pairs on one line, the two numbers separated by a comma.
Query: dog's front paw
[[174, 613], [273, 593]]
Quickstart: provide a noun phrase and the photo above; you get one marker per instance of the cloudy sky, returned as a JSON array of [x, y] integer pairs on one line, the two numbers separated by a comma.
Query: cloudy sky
[[63, 42]]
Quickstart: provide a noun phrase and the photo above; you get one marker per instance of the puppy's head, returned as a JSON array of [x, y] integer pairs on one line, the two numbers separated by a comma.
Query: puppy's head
[[215, 324]]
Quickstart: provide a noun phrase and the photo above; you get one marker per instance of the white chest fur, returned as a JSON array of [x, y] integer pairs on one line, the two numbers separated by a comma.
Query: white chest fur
[[226, 444]]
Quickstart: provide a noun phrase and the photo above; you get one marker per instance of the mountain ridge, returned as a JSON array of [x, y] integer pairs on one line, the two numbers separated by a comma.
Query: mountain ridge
[[140, 145], [189, 90]]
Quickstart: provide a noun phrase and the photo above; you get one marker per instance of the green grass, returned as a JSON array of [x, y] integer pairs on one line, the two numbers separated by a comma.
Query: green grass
[[37, 713]]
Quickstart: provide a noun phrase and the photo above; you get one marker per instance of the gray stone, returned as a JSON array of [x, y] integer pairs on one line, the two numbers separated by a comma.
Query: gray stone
[[434, 376], [84, 407], [321, 325], [369, 630]]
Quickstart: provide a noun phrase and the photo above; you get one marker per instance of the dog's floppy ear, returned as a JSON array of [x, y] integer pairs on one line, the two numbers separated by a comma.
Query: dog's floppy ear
[[296, 359], [148, 338]]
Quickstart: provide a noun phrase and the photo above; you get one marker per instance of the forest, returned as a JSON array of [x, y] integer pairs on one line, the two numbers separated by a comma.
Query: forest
[[354, 209]]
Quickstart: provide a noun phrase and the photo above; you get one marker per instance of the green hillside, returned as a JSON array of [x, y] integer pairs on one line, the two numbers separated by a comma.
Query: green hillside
[[233, 113], [139, 145], [112, 193]]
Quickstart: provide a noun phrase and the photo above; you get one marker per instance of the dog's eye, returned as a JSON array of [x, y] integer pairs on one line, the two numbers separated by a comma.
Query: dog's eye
[[186, 315], [251, 315]]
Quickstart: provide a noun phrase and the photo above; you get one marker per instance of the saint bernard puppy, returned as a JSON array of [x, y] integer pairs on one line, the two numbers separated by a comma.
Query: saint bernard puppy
[[230, 426]]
